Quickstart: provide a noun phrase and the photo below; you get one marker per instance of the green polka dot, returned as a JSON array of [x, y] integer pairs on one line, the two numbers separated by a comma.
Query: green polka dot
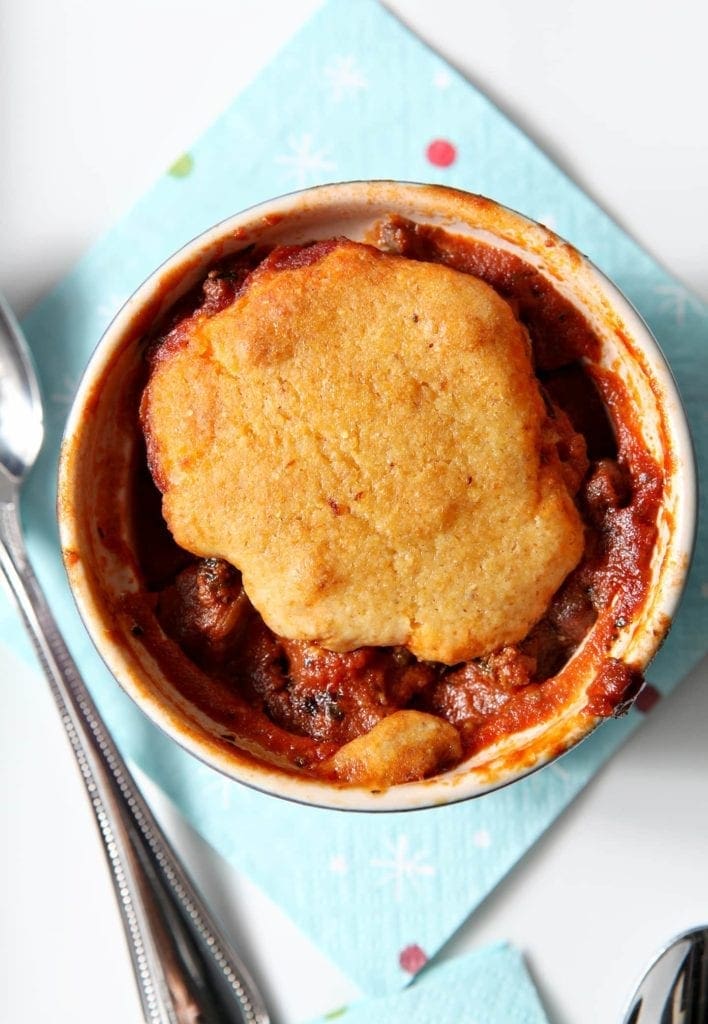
[[182, 167], [335, 1014]]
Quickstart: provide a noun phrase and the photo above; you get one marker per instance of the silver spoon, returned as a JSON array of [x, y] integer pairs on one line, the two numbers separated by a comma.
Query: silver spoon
[[185, 970], [674, 990]]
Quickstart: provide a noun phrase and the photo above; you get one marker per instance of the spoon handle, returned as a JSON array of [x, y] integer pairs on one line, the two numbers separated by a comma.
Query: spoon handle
[[185, 970]]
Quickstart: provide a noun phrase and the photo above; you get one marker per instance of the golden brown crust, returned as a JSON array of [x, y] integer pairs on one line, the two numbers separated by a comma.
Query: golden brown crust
[[363, 437]]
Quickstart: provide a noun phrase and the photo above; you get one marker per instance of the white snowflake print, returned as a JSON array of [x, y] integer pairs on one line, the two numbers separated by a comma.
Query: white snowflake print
[[344, 77], [678, 301], [482, 839], [64, 390], [402, 866], [338, 864], [442, 79], [303, 162]]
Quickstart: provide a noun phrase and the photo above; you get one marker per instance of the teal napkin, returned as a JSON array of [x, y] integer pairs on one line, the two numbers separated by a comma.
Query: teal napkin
[[354, 95], [491, 987]]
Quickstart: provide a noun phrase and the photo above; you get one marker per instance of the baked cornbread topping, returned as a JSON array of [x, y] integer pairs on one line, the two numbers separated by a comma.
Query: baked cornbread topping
[[349, 432], [401, 498]]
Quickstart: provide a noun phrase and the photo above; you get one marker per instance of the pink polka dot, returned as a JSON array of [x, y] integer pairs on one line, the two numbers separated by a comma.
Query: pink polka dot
[[412, 959], [647, 698], [441, 153]]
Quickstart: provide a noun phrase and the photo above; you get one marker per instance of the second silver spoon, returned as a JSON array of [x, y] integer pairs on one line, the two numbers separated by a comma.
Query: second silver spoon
[[674, 990]]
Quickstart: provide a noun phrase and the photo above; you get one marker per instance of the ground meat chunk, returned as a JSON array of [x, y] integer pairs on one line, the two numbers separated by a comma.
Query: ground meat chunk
[[477, 690], [570, 447], [205, 610], [574, 390], [222, 285], [310, 691], [330, 696], [572, 613], [608, 487], [337, 697], [546, 649], [219, 292]]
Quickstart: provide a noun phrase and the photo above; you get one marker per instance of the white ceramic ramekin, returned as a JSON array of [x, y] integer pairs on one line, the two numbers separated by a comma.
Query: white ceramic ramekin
[[100, 443]]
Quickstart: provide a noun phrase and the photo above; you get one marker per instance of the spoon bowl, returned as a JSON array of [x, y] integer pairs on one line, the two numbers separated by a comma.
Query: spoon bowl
[[21, 416], [674, 990]]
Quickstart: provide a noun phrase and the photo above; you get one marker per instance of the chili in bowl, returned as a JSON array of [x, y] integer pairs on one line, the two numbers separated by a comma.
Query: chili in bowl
[[377, 496]]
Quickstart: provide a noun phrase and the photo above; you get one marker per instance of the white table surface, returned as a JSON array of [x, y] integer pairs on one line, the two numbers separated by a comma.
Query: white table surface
[[616, 93]]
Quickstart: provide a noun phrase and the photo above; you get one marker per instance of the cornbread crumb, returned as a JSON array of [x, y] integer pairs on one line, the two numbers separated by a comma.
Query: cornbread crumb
[[403, 747]]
